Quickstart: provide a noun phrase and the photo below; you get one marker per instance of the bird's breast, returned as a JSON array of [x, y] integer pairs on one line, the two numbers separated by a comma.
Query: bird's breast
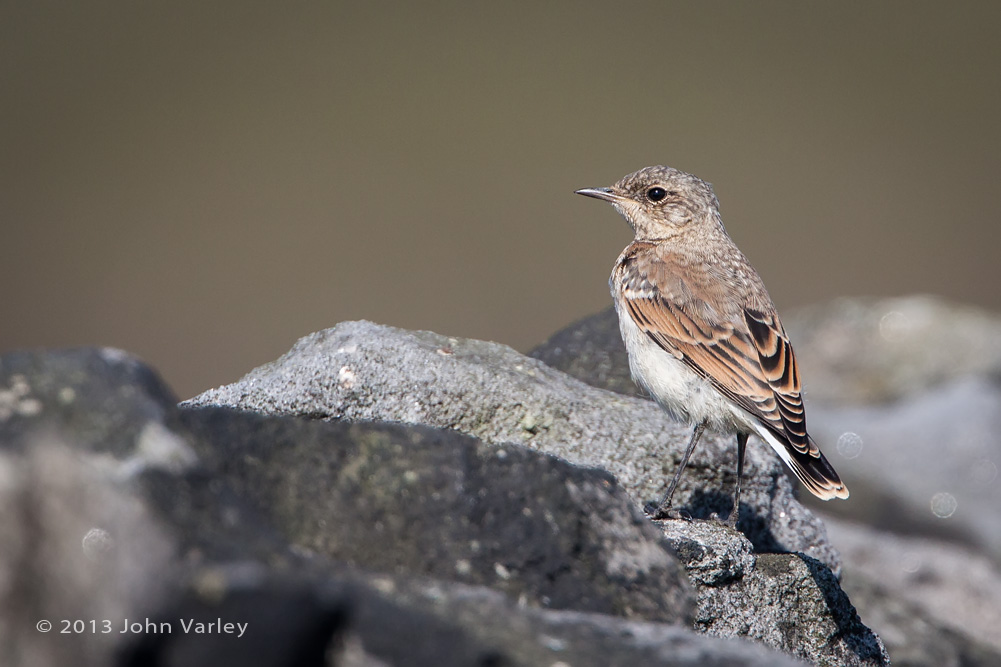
[[672, 384]]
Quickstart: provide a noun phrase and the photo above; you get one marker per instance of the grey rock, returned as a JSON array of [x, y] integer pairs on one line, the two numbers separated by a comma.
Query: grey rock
[[911, 638], [591, 350], [74, 545], [713, 554], [282, 489], [277, 619], [502, 553], [279, 491], [363, 371], [390, 498], [532, 636], [871, 350], [909, 391], [837, 635], [926, 463], [402, 620], [55, 501], [104, 397], [932, 602], [730, 577]]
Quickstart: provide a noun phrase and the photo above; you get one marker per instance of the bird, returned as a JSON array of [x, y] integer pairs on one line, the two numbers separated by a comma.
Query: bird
[[702, 334]]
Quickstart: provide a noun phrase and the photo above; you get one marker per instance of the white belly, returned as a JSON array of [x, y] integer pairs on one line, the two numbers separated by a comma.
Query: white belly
[[677, 388]]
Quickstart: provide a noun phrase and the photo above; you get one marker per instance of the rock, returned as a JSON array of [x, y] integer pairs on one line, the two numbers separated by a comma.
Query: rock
[[712, 554], [927, 463], [935, 603], [591, 350], [74, 550], [870, 350], [532, 636], [730, 577], [74, 546], [363, 371], [273, 620], [112, 529], [105, 398], [399, 620], [529, 525], [368, 543]]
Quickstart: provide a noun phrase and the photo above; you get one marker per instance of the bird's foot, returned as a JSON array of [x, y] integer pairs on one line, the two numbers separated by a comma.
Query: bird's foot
[[657, 511], [730, 521]]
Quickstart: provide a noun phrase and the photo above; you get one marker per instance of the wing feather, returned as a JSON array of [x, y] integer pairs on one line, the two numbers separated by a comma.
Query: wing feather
[[745, 354]]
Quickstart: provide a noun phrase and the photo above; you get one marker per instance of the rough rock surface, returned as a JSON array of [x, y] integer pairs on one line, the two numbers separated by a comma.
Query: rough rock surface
[[397, 620], [591, 350], [947, 598], [363, 371], [909, 416], [351, 543], [769, 590], [532, 526]]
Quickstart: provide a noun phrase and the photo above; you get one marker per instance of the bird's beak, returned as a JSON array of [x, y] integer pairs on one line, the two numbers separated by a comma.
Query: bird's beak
[[600, 193]]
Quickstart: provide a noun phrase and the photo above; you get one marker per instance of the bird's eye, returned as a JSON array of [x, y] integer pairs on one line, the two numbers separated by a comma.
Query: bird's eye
[[656, 194]]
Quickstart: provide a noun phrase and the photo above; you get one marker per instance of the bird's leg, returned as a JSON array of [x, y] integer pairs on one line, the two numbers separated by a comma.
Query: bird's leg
[[663, 509], [735, 513]]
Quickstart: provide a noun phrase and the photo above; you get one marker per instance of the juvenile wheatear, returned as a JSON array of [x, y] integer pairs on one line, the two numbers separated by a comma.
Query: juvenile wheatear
[[702, 333]]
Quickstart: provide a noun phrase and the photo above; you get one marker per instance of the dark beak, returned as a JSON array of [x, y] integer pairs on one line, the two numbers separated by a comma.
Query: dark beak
[[600, 193]]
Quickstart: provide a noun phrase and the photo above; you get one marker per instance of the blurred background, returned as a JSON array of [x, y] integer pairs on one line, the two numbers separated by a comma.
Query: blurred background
[[203, 183]]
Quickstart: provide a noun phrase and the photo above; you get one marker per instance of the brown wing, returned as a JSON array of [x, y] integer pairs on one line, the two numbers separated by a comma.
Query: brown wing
[[744, 352]]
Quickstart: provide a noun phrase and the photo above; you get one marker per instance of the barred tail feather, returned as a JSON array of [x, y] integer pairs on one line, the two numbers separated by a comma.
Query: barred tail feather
[[815, 472]]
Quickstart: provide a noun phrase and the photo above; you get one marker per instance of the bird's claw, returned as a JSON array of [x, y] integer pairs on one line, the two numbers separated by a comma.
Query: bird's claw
[[730, 521], [658, 512]]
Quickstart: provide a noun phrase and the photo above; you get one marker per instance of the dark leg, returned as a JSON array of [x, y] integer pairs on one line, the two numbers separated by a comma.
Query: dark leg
[[663, 509], [735, 513]]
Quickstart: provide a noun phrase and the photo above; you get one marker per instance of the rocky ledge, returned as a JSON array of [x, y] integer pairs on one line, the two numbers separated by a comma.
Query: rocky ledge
[[362, 371], [388, 497], [380, 496]]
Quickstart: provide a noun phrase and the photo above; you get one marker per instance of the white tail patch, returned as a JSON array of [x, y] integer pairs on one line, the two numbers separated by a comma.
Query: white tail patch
[[770, 438], [823, 487]]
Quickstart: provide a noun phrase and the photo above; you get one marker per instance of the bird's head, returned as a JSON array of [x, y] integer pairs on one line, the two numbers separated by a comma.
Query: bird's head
[[659, 202]]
